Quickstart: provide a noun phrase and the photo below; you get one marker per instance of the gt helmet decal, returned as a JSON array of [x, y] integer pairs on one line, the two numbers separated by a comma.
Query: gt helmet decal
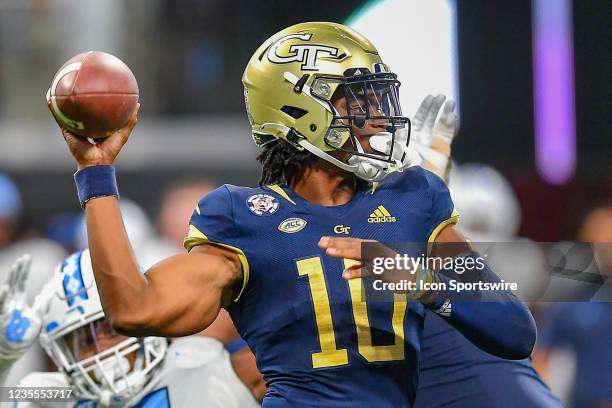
[[304, 53]]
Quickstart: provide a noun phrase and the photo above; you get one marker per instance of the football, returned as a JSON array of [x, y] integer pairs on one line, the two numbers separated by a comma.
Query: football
[[93, 94]]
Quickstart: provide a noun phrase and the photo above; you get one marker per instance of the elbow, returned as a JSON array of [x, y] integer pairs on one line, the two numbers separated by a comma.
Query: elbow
[[131, 324], [528, 333], [504, 329], [520, 339]]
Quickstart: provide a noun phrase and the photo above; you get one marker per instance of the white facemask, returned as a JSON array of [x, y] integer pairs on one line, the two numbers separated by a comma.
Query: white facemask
[[112, 369]]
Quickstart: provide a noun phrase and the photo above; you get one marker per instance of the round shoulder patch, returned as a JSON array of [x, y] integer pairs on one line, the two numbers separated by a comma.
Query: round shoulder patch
[[262, 204]]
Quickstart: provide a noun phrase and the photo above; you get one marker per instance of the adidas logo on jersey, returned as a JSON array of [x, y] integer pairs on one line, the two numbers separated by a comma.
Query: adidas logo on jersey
[[381, 214]]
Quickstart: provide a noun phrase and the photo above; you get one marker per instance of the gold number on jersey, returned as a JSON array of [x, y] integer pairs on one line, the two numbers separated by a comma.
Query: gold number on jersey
[[372, 353], [330, 356]]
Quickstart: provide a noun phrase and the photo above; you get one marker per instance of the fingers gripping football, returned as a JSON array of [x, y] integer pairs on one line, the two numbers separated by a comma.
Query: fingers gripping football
[[89, 152]]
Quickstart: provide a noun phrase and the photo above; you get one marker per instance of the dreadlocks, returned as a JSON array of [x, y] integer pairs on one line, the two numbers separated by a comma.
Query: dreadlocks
[[282, 162]]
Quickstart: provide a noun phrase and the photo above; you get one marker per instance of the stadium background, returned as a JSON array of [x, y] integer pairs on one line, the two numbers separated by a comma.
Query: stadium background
[[188, 56]]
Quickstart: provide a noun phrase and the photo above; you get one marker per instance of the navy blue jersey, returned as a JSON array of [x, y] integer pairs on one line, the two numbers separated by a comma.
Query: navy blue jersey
[[316, 338], [456, 374]]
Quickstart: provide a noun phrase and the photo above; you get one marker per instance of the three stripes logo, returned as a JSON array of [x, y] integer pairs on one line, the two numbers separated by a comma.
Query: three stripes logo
[[381, 214]]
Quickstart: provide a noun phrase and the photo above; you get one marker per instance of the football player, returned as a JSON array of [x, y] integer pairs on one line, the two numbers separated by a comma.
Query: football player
[[102, 367], [283, 258]]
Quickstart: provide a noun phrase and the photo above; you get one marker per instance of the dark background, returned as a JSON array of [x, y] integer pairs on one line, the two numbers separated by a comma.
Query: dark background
[[192, 55]]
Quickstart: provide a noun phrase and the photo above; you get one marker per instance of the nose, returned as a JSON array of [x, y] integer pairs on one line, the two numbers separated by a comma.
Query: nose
[[377, 123], [378, 116]]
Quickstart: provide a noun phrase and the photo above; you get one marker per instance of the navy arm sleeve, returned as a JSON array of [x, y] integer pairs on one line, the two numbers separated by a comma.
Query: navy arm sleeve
[[495, 321]]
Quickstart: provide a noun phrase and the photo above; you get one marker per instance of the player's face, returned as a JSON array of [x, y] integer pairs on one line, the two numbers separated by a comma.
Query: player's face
[[92, 339], [359, 106]]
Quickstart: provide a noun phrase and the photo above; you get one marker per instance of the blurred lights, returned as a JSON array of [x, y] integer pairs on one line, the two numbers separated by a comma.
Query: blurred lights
[[553, 76], [417, 39]]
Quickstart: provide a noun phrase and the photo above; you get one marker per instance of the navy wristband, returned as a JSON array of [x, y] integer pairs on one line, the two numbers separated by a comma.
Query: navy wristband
[[95, 181], [236, 345]]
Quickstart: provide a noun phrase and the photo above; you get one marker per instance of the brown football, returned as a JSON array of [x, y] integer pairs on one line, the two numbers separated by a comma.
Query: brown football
[[93, 94]]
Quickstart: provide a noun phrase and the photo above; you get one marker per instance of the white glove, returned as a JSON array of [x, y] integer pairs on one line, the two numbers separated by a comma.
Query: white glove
[[19, 324], [431, 139]]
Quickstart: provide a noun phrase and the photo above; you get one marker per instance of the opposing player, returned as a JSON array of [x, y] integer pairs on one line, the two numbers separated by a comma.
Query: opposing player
[[281, 257], [101, 367]]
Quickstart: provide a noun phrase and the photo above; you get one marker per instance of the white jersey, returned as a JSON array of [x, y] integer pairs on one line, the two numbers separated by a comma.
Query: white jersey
[[196, 372]]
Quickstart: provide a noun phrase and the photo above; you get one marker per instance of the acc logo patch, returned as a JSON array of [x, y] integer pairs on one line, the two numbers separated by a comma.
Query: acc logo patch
[[292, 225], [262, 204]]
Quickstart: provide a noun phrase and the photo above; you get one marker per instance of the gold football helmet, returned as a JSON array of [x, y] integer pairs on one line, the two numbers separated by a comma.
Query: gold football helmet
[[291, 80]]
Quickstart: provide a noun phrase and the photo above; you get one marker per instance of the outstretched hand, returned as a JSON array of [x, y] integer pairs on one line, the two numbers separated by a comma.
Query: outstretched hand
[[88, 152], [430, 126], [433, 132], [19, 324]]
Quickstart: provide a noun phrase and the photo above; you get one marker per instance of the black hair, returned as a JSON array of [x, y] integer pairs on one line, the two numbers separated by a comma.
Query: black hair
[[282, 162]]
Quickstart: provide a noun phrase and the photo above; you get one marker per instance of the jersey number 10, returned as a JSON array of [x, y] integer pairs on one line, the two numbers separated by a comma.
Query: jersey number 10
[[330, 355]]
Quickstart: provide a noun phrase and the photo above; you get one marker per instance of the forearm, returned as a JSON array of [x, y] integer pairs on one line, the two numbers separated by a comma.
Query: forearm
[[178, 296], [495, 321], [147, 304], [122, 288]]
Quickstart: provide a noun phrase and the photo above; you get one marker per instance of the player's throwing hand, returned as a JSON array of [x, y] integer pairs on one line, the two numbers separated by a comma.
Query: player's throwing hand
[[88, 152]]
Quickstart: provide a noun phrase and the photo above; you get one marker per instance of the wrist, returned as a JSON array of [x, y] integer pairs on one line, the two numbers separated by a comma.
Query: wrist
[[95, 181], [428, 297], [81, 166], [423, 282]]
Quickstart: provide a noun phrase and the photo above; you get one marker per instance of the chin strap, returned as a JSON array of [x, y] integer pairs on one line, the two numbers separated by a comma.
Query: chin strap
[[369, 169]]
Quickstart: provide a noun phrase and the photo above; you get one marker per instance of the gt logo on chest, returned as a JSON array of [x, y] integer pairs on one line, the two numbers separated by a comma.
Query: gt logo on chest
[[341, 229]]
